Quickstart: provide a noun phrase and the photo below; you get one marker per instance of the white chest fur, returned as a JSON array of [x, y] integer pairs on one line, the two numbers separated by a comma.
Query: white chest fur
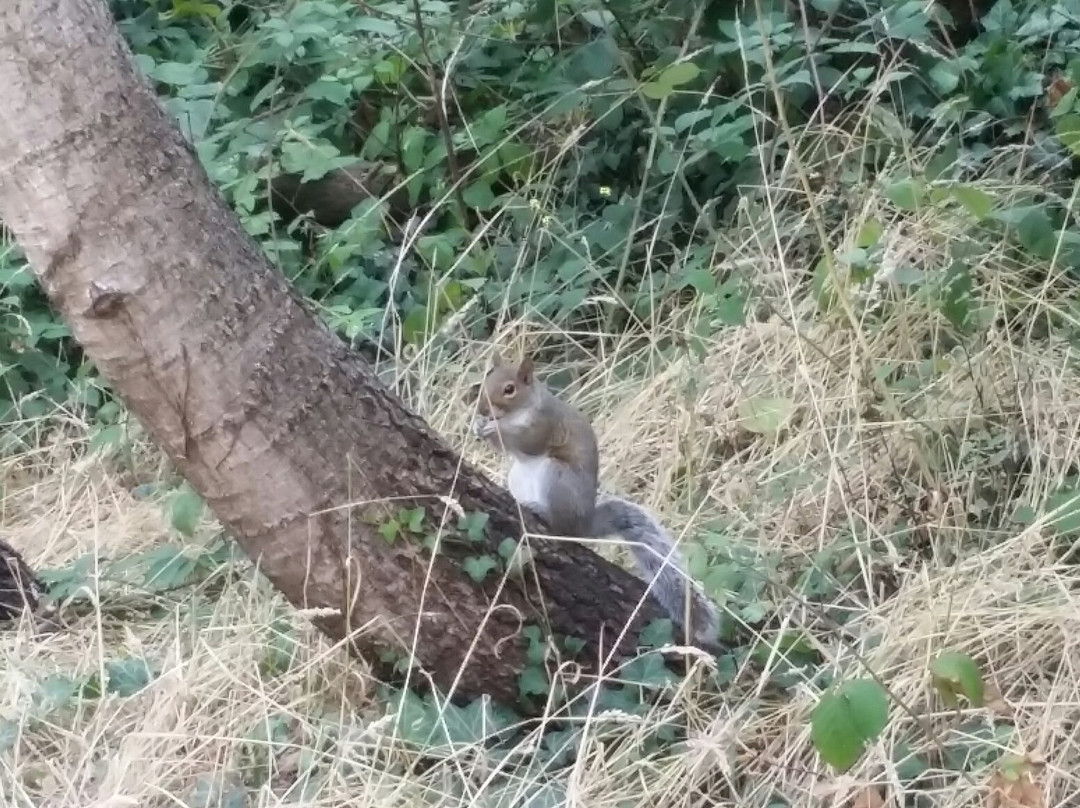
[[528, 481]]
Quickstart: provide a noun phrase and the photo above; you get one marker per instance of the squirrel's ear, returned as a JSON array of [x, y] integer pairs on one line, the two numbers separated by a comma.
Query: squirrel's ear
[[525, 370], [497, 359], [472, 394]]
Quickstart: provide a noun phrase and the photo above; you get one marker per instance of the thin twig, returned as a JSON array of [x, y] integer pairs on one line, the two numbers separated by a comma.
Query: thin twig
[[440, 112]]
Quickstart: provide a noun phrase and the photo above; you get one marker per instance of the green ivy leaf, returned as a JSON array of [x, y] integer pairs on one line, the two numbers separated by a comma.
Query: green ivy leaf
[[473, 525], [413, 519], [648, 670], [657, 634], [478, 567], [127, 677], [573, 645], [507, 548], [473, 723], [56, 692], [390, 530], [533, 681], [846, 719], [955, 674]]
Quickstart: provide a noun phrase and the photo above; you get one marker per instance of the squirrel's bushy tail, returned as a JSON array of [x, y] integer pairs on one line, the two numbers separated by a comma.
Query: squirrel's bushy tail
[[661, 564]]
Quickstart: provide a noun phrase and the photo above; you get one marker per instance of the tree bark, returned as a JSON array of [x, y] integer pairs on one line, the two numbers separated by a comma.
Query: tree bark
[[289, 437], [19, 587]]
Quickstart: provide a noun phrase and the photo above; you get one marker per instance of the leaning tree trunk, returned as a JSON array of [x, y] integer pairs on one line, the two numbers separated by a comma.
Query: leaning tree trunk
[[289, 437]]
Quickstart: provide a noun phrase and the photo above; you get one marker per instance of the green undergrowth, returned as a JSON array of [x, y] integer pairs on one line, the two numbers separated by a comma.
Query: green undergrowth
[[594, 165], [834, 246]]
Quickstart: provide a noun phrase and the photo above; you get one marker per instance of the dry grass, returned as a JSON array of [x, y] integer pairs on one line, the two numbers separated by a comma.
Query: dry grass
[[852, 463]]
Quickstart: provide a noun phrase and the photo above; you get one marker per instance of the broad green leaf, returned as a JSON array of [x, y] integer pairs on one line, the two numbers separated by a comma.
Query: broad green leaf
[[834, 733], [479, 196], [186, 511], [869, 704], [701, 279], [281, 649], [598, 18], [1063, 508], [216, 791], [956, 674], [869, 234], [516, 159], [688, 119], [9, 734], [376, 25], [127, 677], [169, 568], [656, 91], [730, 305], [1024, 515], [846, 719], [678, 74], [958, 297], [327, 89], [823, 285], [413, 142], [763, 415], [193, 115], [1067, 128], [416, 326], [179, 74], [906, 194], [945, 76], [975, 201]]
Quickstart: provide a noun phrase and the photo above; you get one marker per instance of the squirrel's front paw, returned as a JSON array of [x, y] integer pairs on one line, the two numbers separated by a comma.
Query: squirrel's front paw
[[483, 427]]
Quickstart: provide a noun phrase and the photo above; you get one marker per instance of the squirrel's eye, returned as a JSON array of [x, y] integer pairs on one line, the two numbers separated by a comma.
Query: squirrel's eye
[[509, 389]]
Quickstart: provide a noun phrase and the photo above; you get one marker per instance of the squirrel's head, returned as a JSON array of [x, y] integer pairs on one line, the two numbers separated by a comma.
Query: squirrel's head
[[505, 389]]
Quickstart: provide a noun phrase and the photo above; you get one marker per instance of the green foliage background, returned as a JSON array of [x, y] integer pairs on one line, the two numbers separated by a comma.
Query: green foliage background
[[595, 153]]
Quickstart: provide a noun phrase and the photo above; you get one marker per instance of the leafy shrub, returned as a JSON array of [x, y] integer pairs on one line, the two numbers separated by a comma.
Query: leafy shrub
[[575, 161]]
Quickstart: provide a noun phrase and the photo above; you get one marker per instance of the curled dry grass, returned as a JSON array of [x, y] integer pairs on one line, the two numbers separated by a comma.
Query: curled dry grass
[[852, 460]]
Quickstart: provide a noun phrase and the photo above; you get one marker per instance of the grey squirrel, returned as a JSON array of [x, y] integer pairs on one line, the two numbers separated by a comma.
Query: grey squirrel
[[555, 473]]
